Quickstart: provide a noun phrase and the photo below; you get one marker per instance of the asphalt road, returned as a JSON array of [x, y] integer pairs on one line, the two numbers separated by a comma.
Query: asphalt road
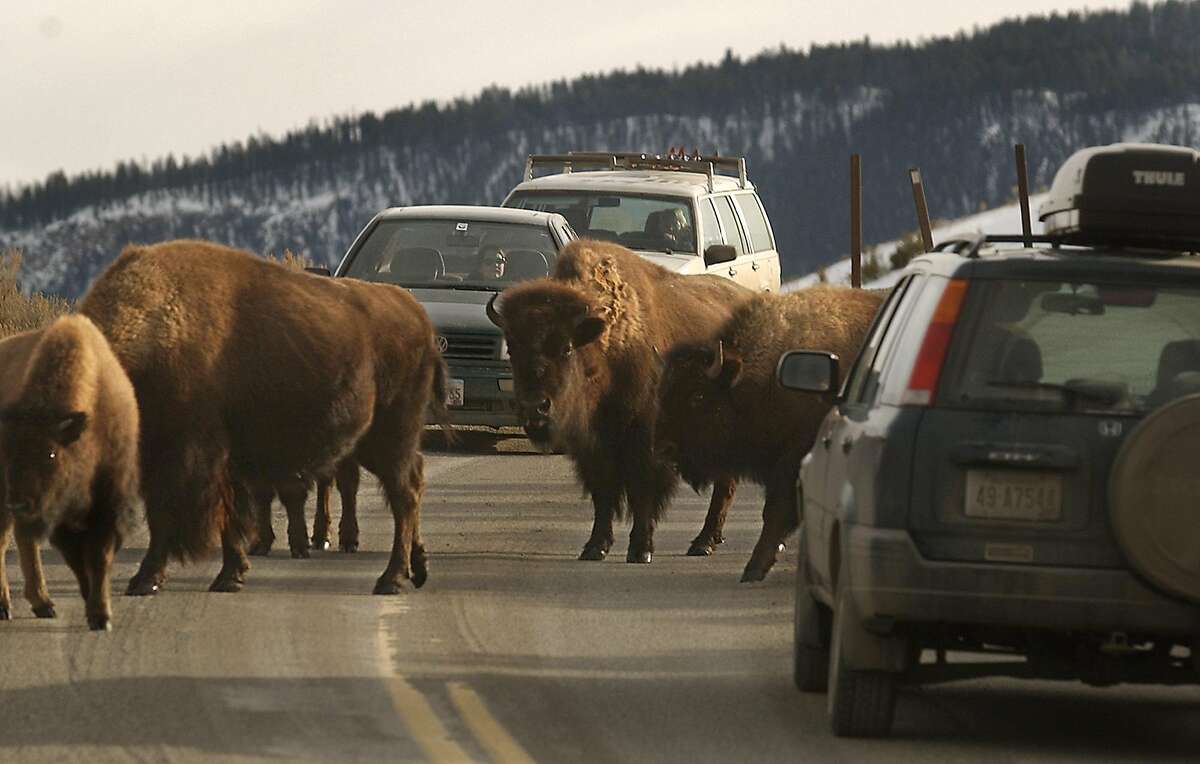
[[514, 651]]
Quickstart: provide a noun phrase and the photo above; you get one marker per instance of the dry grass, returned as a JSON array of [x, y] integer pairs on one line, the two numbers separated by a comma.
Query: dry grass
[[292, 260], [20, 312]]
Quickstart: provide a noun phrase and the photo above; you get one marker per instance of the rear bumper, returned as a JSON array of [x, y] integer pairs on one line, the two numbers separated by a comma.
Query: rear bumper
[[890, 579]]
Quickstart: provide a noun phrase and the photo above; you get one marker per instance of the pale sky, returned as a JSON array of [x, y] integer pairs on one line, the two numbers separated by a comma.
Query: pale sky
[[84, 84]]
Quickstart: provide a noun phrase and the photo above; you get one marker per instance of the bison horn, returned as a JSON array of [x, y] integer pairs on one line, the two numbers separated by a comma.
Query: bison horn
[[714, 369], [492, 314], [658, 358]]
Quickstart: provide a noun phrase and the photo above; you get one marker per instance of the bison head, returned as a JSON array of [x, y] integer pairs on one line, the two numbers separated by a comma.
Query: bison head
[[37, 458], [544, 323], [696, 415]]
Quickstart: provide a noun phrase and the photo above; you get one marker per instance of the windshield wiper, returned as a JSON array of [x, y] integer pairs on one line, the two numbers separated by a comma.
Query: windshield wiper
[[1107, 393]]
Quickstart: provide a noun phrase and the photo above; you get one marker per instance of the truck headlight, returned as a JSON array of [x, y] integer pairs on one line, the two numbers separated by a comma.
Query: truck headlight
[[503, 349]]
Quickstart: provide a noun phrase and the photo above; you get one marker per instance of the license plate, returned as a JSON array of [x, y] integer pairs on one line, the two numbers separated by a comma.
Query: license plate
[[455, 393], [1014, 495]]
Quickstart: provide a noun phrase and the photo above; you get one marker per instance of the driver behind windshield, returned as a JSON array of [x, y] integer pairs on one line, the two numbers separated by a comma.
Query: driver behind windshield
[[671, 227], [490, 264]]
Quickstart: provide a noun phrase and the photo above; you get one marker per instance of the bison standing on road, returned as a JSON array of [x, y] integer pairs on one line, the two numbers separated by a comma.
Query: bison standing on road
[[69, 450], [720, 409], [293, 495], [583, 346], [247, 370]]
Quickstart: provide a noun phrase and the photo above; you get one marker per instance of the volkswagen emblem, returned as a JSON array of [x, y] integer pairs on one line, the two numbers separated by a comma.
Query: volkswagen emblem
[[443, 344], [1110, 428]]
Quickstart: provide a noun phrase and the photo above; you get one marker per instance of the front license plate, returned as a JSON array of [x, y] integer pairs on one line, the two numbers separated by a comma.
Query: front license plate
[[1014, 495], [455, 393]]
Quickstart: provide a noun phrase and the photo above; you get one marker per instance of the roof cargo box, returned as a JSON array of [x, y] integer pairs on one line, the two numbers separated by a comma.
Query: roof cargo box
[[1127, 194]]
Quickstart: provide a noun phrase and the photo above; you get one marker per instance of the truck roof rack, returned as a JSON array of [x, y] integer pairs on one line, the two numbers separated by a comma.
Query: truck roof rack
[[709, 165]]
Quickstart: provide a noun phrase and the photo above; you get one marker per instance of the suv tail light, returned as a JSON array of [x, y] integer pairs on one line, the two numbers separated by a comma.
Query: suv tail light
[[922, 385]]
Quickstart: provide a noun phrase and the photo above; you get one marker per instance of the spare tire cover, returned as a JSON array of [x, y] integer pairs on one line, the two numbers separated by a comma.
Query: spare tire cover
[[1154, 498]]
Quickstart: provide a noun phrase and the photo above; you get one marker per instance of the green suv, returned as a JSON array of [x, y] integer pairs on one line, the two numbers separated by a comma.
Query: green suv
[[1008, 469]]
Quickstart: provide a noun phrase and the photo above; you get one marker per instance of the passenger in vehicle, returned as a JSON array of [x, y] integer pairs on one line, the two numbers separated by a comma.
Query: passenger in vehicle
[[670, 227], [1178, 372], [490, 264]]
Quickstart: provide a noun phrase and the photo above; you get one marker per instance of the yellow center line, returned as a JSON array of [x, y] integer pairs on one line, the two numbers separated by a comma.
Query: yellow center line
[[423, 723], [486, 728]]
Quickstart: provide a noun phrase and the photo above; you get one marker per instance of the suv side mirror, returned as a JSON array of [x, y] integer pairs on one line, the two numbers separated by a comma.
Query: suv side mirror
[[809, 371], [319, 270], [719, 253]]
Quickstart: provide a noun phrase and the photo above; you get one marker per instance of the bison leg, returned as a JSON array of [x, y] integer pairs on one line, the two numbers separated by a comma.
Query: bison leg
[[261, 497], [347, 484], [36, 593], [322, 519], [604, 505], [100, 544], [780, 517], [5, 537], [648, 494], [714, 523], [232, 576], [293, 496], [403, 489]]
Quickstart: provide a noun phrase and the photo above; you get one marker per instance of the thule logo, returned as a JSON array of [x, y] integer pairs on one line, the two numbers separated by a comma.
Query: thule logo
[[1158, 178]]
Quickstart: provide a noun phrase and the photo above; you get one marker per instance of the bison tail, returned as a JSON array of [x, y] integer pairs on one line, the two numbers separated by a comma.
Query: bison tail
[[437, 403]]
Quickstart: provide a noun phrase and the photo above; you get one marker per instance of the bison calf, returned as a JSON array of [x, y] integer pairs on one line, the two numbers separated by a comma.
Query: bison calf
[[720, 409], [582, 345], [69, 450]]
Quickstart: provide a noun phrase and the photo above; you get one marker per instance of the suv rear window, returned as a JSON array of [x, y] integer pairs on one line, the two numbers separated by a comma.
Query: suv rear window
[[647, 223], [1058, 346]]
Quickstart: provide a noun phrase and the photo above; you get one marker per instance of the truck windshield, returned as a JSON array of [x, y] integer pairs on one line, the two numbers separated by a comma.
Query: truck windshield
[[1049, 345], [453, 254], [645, 223]]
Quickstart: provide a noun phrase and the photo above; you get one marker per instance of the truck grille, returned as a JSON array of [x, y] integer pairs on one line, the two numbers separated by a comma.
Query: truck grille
[[476, 346]]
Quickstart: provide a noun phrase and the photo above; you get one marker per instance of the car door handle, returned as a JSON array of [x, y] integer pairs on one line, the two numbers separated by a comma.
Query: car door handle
[[733, 271], [847, 444], [754, 265]]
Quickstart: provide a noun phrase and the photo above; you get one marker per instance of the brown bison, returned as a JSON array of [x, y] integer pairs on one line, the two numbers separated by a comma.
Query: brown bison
[[68, 446], [293, 494], [583, 345], [247, 370], [720, 411]]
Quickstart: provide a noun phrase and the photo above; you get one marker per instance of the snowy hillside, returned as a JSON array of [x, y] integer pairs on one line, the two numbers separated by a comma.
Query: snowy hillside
[[1002, 220]]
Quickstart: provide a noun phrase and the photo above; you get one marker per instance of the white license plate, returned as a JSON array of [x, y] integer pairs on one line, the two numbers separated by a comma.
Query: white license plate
[[1014, 495], [454, 393]]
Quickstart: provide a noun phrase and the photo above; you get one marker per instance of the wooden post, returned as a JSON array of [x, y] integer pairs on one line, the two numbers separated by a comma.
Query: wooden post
[[855, 221], [1023, 194], [922, 211]]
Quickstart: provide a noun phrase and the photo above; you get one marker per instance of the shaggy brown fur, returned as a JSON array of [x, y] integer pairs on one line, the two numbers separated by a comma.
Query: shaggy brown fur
[[68, 446], [583, 345], [717, 416], [247, 370]]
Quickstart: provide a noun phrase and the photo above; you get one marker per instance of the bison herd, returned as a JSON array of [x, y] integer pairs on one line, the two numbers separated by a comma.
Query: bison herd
[[200, 381]]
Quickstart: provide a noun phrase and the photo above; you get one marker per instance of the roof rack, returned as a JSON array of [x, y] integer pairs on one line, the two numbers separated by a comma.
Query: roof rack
[[969, 246], [599, 160]]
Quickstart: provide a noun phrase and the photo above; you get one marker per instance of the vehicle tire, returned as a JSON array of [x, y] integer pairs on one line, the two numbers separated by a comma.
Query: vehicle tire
[[1152, 490], [810, 638], [861, 703]]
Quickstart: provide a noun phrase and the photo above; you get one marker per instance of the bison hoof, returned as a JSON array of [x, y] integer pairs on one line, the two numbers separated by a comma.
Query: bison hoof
[[593, 553], [227, 584], [701, 549], [259, 550], [641, 558], [4, 614], [141, 587], [387, 585], [45, 611], [750, 575], [99, 623], [300, 553], [420, 566], [320, 544], [349, 547]]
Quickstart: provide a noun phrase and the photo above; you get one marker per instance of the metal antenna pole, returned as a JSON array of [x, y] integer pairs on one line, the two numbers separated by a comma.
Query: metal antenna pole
[[855, 220]]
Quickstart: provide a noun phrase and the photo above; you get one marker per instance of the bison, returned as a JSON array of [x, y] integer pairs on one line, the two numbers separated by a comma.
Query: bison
[[582, 345], [247, 370], [69, 451], [293, 494], [720, 411]]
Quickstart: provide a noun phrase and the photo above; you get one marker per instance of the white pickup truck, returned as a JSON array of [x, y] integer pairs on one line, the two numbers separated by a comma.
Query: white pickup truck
[[691, 214]]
